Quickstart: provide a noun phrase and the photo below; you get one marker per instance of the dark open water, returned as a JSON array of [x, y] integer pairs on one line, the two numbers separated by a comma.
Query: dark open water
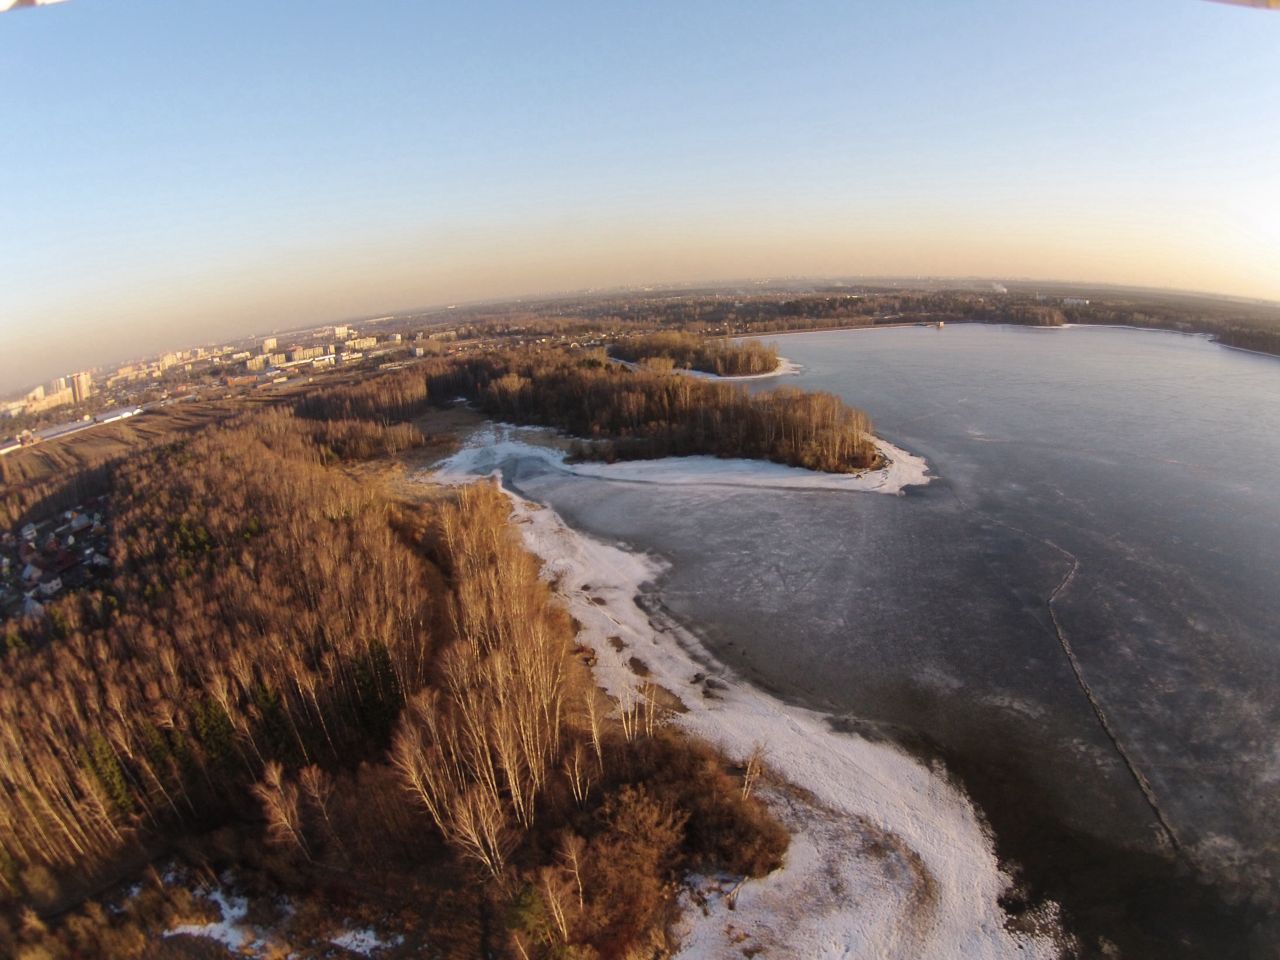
[[1147, 463]]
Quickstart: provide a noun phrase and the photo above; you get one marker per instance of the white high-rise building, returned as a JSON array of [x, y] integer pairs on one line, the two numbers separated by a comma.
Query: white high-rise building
[[82, 386]]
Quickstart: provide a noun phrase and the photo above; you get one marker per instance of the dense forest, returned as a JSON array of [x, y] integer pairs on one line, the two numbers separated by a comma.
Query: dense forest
[[1263, 341], [691, 352], [229, 635], [346, 695]]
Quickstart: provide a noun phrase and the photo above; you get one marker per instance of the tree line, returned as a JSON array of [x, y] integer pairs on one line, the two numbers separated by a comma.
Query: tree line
[[692, 352], [719, 312], [1248, 338]]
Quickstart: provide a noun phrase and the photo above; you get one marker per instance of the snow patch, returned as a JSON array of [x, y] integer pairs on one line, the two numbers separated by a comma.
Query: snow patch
[[244, 939], [230, 929], [364, 941]]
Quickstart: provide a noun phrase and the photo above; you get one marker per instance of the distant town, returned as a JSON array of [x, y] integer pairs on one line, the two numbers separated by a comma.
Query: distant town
[[85, 399]]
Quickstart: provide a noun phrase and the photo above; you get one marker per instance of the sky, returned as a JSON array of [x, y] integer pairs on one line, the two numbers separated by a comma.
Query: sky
[[176, 173]]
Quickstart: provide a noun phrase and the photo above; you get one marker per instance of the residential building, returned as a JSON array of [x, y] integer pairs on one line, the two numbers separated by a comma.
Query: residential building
[[81, 386], [308, 353], [58, 398]]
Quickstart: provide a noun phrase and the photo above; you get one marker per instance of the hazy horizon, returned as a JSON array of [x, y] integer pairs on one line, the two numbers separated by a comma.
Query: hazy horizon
[[769, 284], [194, 174]]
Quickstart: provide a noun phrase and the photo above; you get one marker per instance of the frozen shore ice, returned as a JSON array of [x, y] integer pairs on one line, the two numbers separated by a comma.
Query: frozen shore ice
[[488, 448]]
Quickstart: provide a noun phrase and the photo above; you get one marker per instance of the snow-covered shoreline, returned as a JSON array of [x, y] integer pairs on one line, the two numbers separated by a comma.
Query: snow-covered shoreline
[[485, 450], [887, 860], [785, 368], [1256, 353]]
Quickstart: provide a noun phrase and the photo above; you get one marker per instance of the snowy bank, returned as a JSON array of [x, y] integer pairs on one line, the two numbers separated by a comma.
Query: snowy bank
[[887, 858], [785, 368], [485, 450]]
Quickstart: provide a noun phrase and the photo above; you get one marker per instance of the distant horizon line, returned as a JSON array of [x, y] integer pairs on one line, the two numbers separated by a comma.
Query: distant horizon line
[[796, 278], [676, 286]]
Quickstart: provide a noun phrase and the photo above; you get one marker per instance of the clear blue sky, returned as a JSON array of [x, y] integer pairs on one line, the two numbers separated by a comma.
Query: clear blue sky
[[179, 171]]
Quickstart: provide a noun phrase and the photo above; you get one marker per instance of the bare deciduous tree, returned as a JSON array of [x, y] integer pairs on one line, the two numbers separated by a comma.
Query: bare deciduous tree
[[280, 806]]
